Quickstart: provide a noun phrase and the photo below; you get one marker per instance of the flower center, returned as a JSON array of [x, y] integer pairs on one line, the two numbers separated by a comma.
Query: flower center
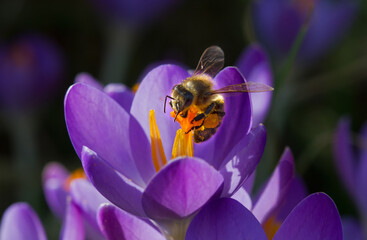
[[78, 173], [182, 146], [271, 226], [187, 123]]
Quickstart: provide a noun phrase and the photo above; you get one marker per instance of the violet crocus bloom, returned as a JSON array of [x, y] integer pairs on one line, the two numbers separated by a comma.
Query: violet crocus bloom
[[255, 66], [278, 22], [74, 200], [31, 69], [20, 222], [117, 149]]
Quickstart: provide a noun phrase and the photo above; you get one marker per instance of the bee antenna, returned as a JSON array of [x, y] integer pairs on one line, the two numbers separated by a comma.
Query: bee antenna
[[165, 102]]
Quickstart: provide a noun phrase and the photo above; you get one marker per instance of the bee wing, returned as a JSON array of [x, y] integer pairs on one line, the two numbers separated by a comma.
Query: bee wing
[[211, 61], [251, 87]]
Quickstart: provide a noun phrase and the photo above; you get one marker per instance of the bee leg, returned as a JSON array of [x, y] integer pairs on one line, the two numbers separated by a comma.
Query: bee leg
[[195, 127], [205, 114]]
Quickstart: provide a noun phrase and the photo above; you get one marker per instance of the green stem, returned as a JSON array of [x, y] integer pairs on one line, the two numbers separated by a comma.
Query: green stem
[[120, 39], [26, 163]]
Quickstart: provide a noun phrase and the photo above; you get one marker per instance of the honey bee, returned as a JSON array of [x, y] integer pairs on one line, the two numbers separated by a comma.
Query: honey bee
[[196, 105]]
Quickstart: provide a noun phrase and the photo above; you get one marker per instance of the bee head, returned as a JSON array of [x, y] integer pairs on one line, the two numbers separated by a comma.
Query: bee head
[[182, 99]]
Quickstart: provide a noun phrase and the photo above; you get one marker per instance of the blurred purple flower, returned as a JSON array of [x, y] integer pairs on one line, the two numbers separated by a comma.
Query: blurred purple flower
[[352, 165], [134, 12], [115, 148], [278, 22], [351, 162], [20, 222], [352, 230], [255, 66], [74, 200], [31, 69]]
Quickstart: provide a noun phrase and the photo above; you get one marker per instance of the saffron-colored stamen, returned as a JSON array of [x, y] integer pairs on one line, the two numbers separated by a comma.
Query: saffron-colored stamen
[[158, 156], [183, 145], [78, 173], [271, 226]]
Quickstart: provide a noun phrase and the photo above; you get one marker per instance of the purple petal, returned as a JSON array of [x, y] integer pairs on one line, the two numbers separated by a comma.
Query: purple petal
[[54, 176], [315, 218], [88, 199], [225, 218], [249, 182], [87, 79], [344, 156], [235, 125], [296, 193], [180, 189], [150, 95], [22, 223], [361, 172], [73, 224], [276, 24], [361, 186], [243, 197], [351, 229], [255, 67], [121, 94], [242, 160], [95, 120], [322, 34], [141, 150], [118, 224], [117, 188], [276, 189]]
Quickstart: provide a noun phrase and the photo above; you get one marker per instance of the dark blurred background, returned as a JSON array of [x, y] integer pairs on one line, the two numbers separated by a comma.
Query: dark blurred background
[[324, 89]]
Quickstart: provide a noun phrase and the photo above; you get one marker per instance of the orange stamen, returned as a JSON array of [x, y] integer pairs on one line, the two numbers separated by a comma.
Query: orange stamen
[[78, 173], [183, 144], [135, 87], [158, 156]]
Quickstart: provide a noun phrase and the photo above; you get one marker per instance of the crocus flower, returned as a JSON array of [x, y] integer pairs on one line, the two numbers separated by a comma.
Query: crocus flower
[[31, 69], [278, 22], [74, 200], [255, 66], [20, 222], [126, 154], [351, 163]]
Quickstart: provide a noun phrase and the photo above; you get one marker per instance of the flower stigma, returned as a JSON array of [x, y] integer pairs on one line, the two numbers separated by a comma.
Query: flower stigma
[[158, 156]]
